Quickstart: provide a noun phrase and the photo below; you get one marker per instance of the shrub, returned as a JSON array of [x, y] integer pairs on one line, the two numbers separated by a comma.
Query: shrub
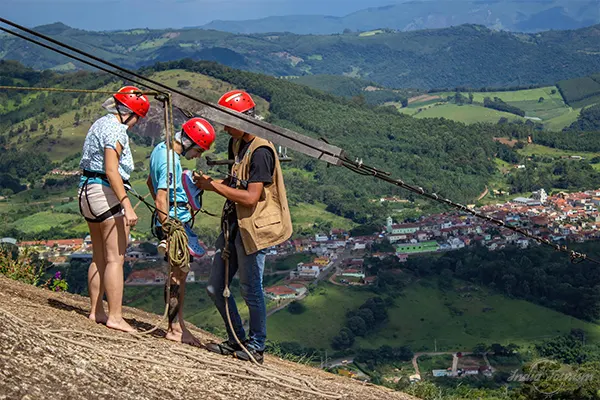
[[22, 267]]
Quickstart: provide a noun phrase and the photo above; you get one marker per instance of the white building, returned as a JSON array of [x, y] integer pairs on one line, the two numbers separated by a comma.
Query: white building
[[540, 195], [321, 237], [306, 271], [456, 243]]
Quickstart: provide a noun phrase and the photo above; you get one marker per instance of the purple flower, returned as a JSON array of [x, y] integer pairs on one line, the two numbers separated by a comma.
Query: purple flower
[[57, 275]]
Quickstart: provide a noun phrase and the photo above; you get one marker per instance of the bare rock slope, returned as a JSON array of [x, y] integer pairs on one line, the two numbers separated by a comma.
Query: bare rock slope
[[49, 349]]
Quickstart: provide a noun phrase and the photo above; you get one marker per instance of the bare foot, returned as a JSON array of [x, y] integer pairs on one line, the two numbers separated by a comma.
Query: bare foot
[[98, 318], [174, 335], [176, 327], [188, 338], [120, 325]]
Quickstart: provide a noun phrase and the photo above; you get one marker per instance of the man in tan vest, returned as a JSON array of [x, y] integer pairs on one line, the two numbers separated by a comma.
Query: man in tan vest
[[255, 216]]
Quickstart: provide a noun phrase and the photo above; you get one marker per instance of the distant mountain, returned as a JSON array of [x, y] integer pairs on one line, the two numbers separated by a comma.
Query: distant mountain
[[511, 15], [466, 55]]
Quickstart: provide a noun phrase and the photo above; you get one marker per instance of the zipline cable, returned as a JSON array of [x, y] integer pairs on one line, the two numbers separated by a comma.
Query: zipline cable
[[69, 55], [359, 168], [139, 76], [45, 89]]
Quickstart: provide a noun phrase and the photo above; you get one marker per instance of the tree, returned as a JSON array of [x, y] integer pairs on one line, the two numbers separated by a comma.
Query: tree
[[541, 100], [357, 325], [77, 119], [343, 340], [498, 349], [367, 316], [296, 307], [446, 280], [480, 348], [404, 102]]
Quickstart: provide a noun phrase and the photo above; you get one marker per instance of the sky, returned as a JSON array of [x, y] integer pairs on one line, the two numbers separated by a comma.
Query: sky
[[127, 14]]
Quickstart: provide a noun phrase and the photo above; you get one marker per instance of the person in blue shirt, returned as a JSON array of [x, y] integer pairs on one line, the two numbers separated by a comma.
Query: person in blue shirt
[[165, 182]]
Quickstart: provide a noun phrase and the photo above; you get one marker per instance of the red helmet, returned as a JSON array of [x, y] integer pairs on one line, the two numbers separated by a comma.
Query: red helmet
[[200, 131], [136, 102], [237, 100]]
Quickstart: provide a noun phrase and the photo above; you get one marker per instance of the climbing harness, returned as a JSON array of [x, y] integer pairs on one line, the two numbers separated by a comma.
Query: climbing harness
[[83, 191]]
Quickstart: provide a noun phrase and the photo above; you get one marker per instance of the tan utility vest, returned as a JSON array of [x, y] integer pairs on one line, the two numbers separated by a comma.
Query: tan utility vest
[[268, 223]]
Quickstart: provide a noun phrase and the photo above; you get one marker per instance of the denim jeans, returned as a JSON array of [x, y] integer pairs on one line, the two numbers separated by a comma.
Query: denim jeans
[[250, 269]]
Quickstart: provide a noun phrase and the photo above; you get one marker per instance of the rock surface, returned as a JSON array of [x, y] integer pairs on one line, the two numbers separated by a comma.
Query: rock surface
[[49, 349]]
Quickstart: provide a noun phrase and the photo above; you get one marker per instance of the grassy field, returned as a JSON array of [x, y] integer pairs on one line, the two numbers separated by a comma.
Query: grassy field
[[538, 149], [427, 363], [325, 316], [524, 95], [423, 315], [467, 113], [304, 215], [457, 322], [45, 220], [552, 111]]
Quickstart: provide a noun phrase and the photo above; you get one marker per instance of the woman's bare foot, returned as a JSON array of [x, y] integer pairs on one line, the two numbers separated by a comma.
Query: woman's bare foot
[[176, 327], [98, 318], [174, 335], [120, 325]]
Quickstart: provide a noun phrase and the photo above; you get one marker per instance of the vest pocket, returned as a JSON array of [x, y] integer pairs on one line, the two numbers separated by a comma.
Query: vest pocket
[[267, 220]]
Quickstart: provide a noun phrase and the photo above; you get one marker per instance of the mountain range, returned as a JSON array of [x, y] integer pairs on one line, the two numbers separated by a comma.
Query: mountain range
[[466, 55], [511, 15]]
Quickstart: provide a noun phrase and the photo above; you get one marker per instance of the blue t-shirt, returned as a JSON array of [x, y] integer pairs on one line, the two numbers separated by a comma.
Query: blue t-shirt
[[105, 133], [158, 174]]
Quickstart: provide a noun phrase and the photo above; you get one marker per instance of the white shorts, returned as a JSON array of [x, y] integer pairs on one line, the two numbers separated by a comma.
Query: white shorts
[[98, 202]]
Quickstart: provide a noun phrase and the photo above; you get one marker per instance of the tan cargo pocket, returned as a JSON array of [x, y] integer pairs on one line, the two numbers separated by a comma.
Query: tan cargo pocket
[[267, 220]]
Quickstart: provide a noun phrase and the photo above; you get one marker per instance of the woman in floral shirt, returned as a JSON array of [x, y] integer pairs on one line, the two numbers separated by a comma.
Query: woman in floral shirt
[[107, 164]]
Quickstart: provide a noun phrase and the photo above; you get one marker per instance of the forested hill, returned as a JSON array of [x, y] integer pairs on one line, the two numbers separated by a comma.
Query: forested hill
[[445, 156], [467, 55], [450, 158]]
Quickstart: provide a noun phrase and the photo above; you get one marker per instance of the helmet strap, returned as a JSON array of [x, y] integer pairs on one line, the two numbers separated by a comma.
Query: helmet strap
[[131, 114], [183, 147]]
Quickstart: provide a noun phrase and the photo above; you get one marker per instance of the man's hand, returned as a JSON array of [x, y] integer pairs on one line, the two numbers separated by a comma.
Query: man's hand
[[203, 182]]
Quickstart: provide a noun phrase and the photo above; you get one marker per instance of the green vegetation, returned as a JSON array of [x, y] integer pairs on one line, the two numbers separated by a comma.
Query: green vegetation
[[288, 263], [45, 220], [498, 104], [468, 114], [581, 92], [588, 120], [428, 363], [325, 314], [541, 105], [535, 275], [343, 122], [361, 91], [466, 55]]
